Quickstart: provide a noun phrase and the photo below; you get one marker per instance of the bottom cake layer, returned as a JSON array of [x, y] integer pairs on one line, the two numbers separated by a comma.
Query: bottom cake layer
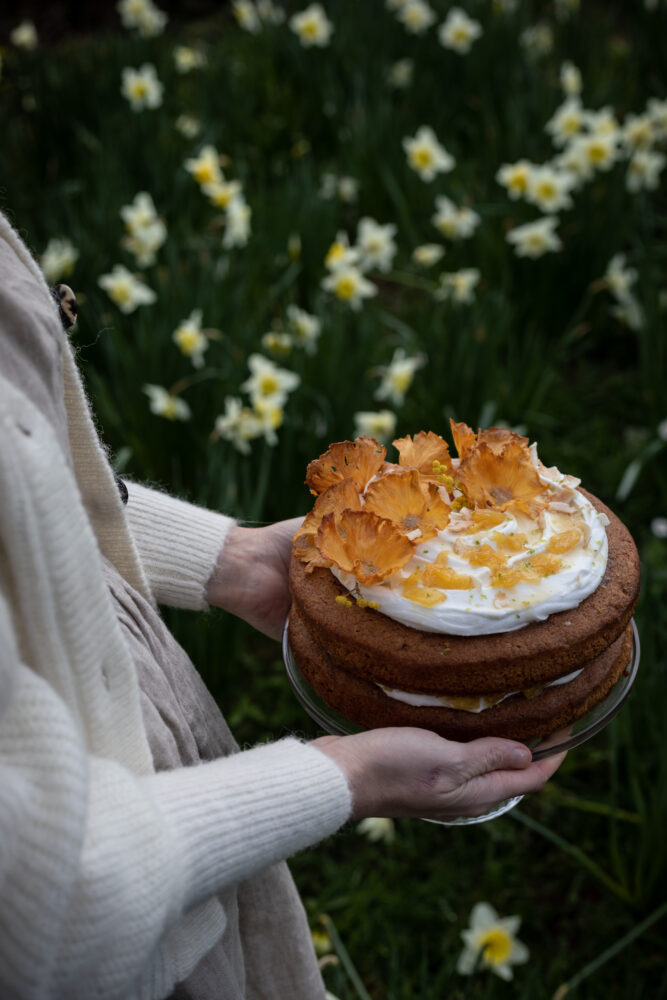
[[518, 717]]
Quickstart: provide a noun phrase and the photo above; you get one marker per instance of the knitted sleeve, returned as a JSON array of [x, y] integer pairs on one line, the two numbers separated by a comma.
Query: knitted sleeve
[[99, 866], [178, 544]]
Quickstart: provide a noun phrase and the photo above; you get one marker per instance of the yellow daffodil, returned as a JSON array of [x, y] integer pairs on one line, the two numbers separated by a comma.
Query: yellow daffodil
[[491, 943]]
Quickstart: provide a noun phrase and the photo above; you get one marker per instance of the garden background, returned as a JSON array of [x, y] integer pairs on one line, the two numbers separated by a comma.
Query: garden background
[[551, 333]]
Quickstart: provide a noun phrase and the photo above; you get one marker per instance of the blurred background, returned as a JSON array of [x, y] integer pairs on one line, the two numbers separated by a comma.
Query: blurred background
[[287, 224]]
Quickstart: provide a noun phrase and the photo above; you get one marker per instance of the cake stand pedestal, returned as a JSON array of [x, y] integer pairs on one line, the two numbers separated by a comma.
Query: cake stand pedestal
[[565, 739]]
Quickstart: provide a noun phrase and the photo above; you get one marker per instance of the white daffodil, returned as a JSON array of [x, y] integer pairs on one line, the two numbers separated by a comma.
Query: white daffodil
[[376, 245], [400, 74], [534, 239], [221, 193], [144, 242], [24, 36], [142, 16], [141, 87], [426, 155], [602, 122], [344, 187], [349, 285], [163, 404], [638, 132], [454, 222], [549, 189], [491, 943], [125, 290], [377, 828], [188, 125], [238, 424], [340, 254], [189, 338], [644, 170], [659, 527], [459, 286], [566, 121], [58, 259], [629, 312], [305, 328], [139, 213], [270, 13], [661, 430], [186, 58], [380, 425], [458, 31], [656, 109], [267, 382], [271, 415], [515, 177], [570, 79], [397, 376], [277, 343], [416, 16], [247, 16], [574, 160], [619, 278], [428, 254], [205, 166], [237, 223], [537, 40], [312, 26], [599, 150]]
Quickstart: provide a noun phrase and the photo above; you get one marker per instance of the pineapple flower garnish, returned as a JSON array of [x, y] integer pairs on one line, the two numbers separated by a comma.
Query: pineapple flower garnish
[[343, 495], [358, 460], [491, 943], [369, 547], [427, 452], [501, 474], [416, 509]]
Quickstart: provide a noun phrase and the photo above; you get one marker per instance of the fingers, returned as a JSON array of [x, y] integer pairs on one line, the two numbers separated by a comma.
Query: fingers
[[493, 754]]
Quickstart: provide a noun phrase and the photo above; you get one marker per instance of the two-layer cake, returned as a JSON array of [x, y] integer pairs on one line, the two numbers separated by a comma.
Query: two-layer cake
[[481, 595]]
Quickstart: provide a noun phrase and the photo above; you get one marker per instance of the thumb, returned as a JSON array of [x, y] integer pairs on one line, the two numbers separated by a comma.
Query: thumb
[[495, 754]]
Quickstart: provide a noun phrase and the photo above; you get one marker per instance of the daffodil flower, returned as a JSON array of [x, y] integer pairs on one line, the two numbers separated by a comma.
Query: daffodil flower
[[491, 943]]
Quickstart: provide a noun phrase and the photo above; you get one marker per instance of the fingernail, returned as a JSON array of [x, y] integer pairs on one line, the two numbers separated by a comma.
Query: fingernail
[[521, 756]]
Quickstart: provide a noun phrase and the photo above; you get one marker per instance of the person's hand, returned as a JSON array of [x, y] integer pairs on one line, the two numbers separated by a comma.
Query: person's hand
[[250, 577], [414, 772]]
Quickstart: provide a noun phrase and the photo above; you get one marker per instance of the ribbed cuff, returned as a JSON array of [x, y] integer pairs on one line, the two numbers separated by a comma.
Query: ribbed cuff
[[178, 542], [237, 815]]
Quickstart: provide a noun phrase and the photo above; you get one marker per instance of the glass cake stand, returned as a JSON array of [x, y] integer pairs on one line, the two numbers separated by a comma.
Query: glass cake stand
[[565, 739]]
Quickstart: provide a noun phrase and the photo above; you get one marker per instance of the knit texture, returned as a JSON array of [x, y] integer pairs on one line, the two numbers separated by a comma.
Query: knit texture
[[107, 870], [178, 571]]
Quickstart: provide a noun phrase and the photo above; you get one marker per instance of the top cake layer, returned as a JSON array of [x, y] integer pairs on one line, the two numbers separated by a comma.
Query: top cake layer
[[484, 543]]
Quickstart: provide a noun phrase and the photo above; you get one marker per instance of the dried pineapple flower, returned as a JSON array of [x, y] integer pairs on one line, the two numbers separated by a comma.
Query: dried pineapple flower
[[341, 496], [369, 547], [400, 498], [422, 452], [358, 460]]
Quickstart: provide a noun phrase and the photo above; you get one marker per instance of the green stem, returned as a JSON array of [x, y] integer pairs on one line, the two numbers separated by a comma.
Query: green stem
[[612, 951], [345, 959], [576, 853]]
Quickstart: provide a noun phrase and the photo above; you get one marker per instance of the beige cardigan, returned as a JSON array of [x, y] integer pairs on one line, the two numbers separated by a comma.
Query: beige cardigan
[[108, 871]]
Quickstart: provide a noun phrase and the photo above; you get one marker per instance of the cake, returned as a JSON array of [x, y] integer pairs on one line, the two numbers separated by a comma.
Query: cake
[[481, 594]]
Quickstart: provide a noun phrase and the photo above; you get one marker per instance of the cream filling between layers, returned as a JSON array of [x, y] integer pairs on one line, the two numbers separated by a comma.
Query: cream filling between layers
[[466, 703], [485, 609]]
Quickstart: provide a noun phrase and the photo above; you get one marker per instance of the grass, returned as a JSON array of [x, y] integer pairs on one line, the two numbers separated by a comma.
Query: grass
[[583, 863]]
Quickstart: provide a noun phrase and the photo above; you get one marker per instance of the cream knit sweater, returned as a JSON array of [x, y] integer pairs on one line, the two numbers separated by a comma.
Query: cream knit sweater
[[108, 871]]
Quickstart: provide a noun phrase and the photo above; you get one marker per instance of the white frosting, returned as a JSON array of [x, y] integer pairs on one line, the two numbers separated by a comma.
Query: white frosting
[[474, 703], [485, 609]]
